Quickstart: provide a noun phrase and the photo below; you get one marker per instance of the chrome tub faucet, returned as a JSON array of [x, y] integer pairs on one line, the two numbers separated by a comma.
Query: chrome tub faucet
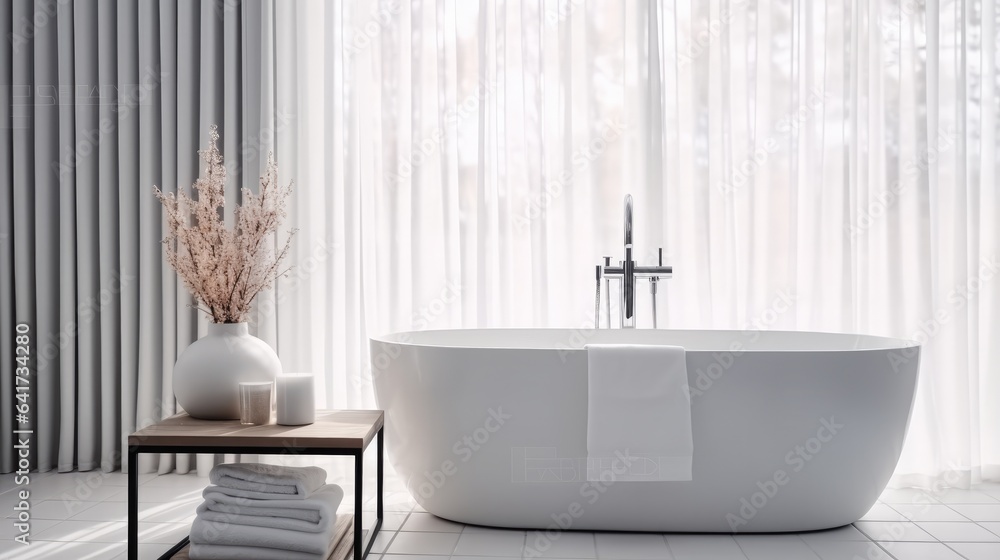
[[626, 273]]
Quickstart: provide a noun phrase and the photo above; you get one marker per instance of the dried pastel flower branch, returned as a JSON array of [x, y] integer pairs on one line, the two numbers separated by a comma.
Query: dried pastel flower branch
[[226, 268]]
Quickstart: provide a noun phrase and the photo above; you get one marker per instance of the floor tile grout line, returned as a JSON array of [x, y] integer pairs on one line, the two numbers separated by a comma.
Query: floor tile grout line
[[969, 519], [395, 533], [949, 547], [739, 546], [455, 546], [810, 547], [884, 549], [980, 523], [524, 546]]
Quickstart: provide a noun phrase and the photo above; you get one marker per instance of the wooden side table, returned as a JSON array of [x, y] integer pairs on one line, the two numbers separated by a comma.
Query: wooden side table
[[335, 432]]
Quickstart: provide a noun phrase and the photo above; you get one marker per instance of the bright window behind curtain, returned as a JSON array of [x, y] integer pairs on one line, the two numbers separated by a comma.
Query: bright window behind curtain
[[463, 164]]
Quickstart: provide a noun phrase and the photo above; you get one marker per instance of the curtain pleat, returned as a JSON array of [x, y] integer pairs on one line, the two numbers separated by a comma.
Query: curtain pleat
[[87, 137], [7, 311], [128, 211], [109, 286], [23, 102], [66, 339], [47, 263], [153, 276]]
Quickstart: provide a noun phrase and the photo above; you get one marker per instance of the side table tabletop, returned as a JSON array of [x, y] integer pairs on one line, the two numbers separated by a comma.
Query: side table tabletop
[[335, 432]]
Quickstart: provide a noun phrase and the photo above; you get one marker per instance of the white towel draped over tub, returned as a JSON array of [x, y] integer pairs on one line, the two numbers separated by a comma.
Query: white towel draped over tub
[[638, 413]]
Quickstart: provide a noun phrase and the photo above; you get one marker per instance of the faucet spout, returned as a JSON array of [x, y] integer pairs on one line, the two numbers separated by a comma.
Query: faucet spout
[[628, 221]]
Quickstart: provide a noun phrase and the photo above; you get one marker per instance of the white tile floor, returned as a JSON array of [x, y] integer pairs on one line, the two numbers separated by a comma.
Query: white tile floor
[[82, 516]]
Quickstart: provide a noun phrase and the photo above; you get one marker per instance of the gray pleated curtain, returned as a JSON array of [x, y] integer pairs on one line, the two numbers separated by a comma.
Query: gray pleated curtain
[[104, 100]]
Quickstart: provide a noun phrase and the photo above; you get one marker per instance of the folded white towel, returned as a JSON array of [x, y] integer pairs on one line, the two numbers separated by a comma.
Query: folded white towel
[[267, 482], [204, 531], [341, 544], [311, 515], [638, 413], [232, 552]]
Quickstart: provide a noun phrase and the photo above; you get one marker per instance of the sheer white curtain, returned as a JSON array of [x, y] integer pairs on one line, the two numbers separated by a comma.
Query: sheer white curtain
[[463, 164]]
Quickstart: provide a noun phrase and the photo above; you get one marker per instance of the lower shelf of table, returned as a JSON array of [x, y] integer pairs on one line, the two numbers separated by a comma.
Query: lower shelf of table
[[343, 536]]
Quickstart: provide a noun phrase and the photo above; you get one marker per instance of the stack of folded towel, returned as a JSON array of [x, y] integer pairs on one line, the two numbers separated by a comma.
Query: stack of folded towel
[[254, 511]]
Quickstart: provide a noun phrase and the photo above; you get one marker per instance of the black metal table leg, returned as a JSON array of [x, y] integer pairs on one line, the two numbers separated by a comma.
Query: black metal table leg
[[133, 502], [359, 497], [381, 476]]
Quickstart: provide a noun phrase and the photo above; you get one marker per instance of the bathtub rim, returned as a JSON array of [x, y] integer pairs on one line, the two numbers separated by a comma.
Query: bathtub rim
[[887, 344]]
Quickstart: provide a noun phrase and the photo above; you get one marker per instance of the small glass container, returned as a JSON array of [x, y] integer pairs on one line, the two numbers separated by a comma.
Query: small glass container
[[255, 403]]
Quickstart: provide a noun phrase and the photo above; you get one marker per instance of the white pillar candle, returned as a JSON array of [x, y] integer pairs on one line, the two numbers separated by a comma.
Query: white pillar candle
[[296, 400]]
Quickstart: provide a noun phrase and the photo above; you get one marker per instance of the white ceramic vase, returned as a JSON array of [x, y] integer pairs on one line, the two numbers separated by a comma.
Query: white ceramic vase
[[208, 373]]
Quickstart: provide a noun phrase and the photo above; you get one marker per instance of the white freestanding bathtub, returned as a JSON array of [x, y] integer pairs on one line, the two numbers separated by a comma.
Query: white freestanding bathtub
[[792, 431]]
